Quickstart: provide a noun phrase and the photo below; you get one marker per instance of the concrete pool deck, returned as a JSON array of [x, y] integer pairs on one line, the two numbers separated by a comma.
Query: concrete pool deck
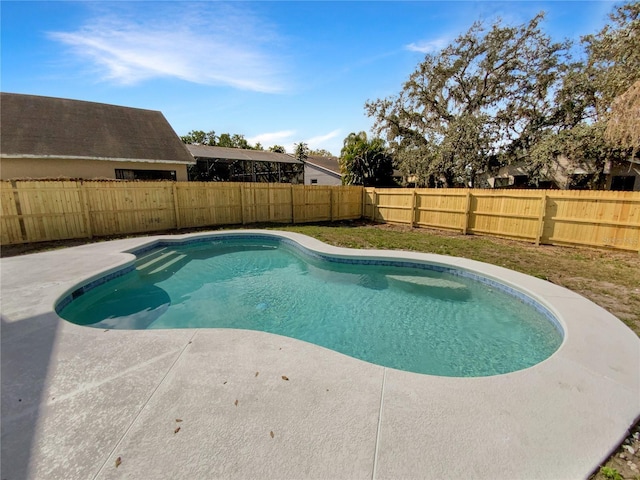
[[211, 403]]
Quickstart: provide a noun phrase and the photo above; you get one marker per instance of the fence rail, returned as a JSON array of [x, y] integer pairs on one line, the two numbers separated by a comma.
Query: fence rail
[[36, 211], [556, 217]]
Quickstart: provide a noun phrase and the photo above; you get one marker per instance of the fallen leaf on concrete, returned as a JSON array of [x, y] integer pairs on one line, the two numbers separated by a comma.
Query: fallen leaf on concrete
[[118, 461], [178, 419], [284, 377], [236, 403], [176, 430], [271, 433], [257, 373]]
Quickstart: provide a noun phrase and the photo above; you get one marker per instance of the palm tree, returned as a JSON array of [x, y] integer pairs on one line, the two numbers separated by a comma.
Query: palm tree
[[365, 162]]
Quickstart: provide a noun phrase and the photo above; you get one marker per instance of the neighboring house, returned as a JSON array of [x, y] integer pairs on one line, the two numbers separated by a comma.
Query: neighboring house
[[322, 171], [623, 176], [45, 137], [221, 164], [566, 175], [510, 176]]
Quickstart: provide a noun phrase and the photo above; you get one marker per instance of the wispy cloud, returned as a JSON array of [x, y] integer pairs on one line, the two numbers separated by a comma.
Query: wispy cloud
[[428, 46], [319, 140], [288, 141], [217, 45], [272, 138]]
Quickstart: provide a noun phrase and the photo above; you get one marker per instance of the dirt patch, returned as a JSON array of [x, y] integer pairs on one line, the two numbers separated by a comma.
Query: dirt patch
[[625, 461]]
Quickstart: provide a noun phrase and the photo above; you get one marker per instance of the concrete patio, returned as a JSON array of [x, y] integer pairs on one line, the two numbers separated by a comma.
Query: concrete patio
[[211, 403]]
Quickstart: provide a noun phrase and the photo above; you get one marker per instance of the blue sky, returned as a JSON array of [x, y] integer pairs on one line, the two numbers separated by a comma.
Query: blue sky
[[276, 72]]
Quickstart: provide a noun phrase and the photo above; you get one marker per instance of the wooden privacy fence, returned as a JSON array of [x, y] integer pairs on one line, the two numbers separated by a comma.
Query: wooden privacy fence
[[557, 217], [35, 211]]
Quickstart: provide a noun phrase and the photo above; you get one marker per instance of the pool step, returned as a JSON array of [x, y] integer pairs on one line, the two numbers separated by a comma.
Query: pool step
[[169, 263], [152, 260], [428, 281], [152, 254]]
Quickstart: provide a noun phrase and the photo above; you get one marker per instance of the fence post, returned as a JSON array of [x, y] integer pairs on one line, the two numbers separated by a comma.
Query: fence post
[[374, 204], [363, 197], [467, 213], [176, 208], [541, 215], [293, 204], [242, 203], [270, 200], [85, 209], [414, 204], [330, 204], [293, 208], [16, 201], [254, 201]]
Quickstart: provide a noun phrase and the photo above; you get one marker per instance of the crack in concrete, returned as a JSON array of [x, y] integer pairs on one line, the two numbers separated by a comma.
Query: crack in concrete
[[135, 419], [375, 454]]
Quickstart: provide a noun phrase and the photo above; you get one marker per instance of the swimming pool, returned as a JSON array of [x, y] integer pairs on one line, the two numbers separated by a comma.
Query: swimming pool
[[416, 316]]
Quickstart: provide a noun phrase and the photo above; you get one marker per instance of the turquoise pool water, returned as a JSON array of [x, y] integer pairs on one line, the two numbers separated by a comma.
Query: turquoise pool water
[[406, 317]]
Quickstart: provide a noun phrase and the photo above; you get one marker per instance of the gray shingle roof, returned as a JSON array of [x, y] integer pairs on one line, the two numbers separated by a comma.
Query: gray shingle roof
[[205, 151], [35, 126], [328, 163]]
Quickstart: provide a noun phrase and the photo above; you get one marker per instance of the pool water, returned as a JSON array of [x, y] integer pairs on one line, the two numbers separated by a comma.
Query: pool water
[[413, 319]]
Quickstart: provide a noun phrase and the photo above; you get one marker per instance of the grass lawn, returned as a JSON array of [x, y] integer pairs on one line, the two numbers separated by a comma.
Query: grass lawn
[[609, 278]]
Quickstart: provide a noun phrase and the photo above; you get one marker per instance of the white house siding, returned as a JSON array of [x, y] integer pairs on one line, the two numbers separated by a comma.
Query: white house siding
[[320, 175]]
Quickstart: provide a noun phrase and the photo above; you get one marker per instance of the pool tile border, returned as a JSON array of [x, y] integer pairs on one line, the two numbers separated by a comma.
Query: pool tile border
[[78, 292]]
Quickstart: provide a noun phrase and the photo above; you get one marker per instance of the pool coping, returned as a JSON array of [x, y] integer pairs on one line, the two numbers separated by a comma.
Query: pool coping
[[559, 418]]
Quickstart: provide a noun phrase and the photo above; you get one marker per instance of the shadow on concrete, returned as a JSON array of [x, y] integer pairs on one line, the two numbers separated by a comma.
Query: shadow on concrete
[[25, 352]]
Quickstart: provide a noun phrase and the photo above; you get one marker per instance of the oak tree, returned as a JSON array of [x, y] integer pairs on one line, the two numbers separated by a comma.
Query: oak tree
[[482, 100]]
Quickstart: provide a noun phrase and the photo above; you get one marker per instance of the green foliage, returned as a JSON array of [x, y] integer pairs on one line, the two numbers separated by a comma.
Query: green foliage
[[301, 151], [199, 137], [509, 95], [365, 162], [582, 147], [321, 152], [486, 93], [614, 55], [604, 90], [233, 141], [610, 473], [277, 149]]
